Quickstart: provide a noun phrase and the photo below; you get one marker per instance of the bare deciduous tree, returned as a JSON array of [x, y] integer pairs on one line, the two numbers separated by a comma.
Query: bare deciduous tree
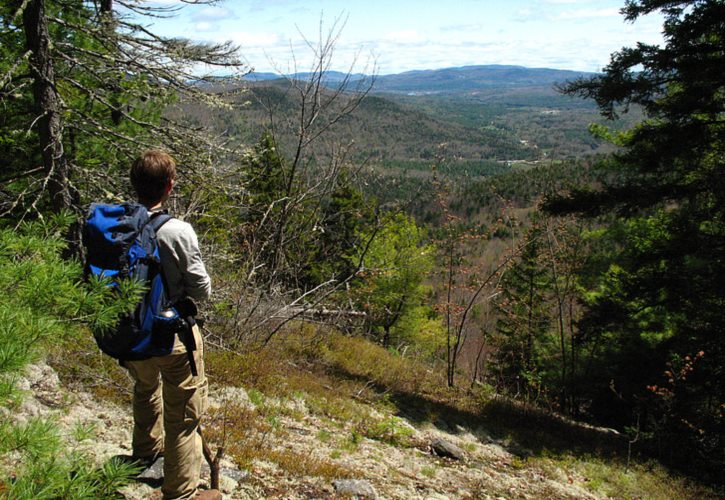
[[290, 221]]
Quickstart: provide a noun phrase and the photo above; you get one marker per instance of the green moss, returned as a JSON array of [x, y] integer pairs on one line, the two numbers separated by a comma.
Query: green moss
[[391, 430], [324, 436], [612, 478], [428, 471]]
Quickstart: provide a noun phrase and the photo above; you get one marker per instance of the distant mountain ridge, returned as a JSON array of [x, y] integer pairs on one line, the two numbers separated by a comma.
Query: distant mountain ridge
[[463, 79]]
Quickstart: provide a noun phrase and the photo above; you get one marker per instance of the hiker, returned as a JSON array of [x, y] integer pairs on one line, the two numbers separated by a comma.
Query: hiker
[[168, 399]]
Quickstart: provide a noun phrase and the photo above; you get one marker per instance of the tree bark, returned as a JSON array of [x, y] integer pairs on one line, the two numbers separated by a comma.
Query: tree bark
[[47, 105]]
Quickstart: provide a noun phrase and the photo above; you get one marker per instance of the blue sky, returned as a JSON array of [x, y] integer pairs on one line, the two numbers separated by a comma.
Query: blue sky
[[402, 35]]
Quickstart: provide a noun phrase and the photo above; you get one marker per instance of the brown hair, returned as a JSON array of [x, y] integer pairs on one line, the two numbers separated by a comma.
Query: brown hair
[[151, 173]]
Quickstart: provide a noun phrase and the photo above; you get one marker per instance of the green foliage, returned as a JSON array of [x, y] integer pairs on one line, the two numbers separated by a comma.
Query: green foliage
[[420, 331], [46, 300], [391, 430], [538, 351], [662, 296], [524, 322], [345, 217], [395, 265], [44, 305], [299, 231], [266, 176], [36, 281], [256, 397], [51, 476], [31, 438]]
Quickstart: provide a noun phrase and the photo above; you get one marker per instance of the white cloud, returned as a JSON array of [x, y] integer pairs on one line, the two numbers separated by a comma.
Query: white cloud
[[404, 36], [213, 14], [587, 14], [206, 27], [564, 34], [526, 14], [246, 39], [460, 28], [264, 5]]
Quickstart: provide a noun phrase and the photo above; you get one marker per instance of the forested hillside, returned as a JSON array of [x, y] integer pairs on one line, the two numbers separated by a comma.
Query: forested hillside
[[509, 112], [472, 293], [381, 128]]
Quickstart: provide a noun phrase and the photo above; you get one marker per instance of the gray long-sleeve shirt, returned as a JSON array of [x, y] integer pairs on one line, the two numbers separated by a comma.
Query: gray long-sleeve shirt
[[181, 259]]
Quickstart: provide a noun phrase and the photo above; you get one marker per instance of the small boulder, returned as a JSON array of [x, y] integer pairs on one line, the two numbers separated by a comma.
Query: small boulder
[[519, 451], [446, 449], [234, 474], [356, 488], [153, 474]]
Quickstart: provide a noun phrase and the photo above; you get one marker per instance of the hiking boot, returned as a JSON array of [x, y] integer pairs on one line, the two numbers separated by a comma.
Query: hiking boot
[[207, 495], [147, 462], [142, 462]]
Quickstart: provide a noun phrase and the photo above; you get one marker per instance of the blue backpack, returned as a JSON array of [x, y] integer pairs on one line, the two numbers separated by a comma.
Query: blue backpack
[[120, 242]]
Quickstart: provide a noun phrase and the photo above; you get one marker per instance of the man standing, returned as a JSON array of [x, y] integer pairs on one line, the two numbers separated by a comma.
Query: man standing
[[168, 400]]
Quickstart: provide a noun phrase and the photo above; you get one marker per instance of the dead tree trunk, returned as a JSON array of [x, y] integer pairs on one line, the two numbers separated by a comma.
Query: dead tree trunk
[[47, 105]]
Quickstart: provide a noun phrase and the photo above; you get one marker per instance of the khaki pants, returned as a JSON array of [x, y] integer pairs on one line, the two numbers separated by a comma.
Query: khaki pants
[[168, 402]]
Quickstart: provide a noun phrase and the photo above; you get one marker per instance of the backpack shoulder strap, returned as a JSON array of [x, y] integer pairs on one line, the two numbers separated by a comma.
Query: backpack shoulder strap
[[158, 219]]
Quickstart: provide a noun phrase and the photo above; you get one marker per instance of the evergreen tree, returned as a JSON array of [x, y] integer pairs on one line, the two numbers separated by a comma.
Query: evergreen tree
[[263, 171], [266, 181], [265, 177], [44, 307], [88, 87], [662, 301], [524, 317], [322, 233], [345, 217]]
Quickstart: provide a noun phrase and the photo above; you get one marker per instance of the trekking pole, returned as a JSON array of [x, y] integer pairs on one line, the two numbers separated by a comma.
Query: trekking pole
[[212, 459]]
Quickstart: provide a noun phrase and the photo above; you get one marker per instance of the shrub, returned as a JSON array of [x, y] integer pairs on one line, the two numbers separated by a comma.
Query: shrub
[[44, 304]]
